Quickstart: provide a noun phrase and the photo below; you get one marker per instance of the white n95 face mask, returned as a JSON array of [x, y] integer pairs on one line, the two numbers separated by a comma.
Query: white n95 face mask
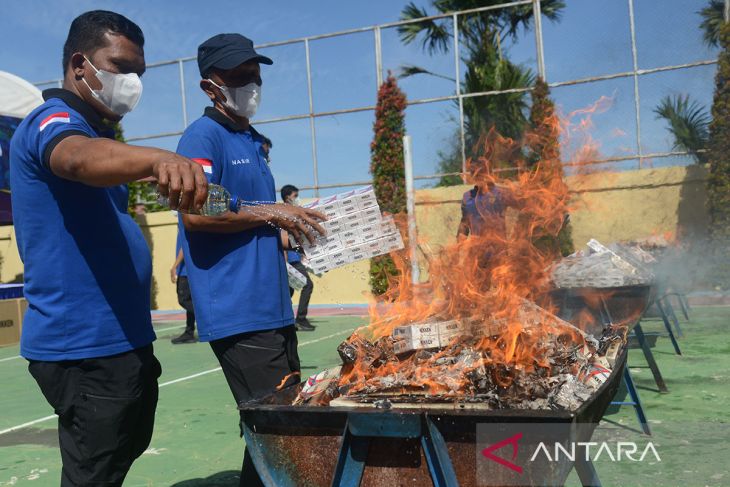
[[120, 93], [243, 100]]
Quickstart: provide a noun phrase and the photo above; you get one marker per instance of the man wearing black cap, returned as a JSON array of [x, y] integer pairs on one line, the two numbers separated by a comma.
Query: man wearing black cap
[[237, 276]]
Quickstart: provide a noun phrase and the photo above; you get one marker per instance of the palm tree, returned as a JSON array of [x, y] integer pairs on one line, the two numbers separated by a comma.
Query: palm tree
[[487, 67], [688, 123], [713, 16]]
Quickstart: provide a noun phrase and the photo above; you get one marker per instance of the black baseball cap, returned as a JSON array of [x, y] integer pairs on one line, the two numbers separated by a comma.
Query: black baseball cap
[[226, 51]]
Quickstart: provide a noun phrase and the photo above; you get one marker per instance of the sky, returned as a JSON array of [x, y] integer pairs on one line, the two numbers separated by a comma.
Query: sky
[[592, 38]]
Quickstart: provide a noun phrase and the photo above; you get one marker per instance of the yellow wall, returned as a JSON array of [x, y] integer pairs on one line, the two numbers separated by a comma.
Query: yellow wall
[[607, 206]]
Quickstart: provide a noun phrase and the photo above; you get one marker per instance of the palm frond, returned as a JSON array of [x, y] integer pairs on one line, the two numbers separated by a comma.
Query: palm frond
[[436, 34], [688, 122], [512, 19], [407, 70], [713, 17]]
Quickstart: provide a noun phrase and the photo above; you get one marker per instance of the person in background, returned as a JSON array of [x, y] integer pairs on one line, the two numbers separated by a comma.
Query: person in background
[[87, 333], [483, 210], [290, 196], [179, 277], [266, 146], [237, 276]]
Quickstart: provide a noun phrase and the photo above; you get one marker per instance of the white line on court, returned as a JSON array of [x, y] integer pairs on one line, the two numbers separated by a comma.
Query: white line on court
[[156, 331], [170, 382]]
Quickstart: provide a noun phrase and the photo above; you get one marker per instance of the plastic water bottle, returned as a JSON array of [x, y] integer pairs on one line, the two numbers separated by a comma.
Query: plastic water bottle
[[218, 202]]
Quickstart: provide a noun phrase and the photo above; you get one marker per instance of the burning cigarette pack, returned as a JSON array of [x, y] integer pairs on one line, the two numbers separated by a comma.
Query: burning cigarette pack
[[356, 230], [296, 279], [408, 345], [429, 335]]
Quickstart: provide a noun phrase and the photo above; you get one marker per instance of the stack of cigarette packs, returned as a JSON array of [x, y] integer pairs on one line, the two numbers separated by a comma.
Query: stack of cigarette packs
[[437, 334], [356, 230]]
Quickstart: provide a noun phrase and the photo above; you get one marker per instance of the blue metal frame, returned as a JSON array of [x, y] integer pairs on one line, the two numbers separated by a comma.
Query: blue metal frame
[[361, 428], [635, 401], [668, 326]]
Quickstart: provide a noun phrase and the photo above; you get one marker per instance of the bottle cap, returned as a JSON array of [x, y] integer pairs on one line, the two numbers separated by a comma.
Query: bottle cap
[[233, 206]]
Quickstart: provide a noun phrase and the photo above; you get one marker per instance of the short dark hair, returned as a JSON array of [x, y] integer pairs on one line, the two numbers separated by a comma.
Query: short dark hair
[[267, 141], [87, 32], [287, 191]]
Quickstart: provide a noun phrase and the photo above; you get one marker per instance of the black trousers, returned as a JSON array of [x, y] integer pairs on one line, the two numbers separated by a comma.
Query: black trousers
[[254, 365], [185, 299], [106, 411], [306, 293]]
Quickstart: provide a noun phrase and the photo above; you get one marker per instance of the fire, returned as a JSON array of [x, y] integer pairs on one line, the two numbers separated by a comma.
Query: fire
[[497, 282]]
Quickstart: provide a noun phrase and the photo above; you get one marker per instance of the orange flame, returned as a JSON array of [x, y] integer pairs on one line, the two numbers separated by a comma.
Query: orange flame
[[491, 275]]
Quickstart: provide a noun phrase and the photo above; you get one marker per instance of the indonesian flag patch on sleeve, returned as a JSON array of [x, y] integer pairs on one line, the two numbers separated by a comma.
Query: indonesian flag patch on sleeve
[[206, 163], [60, 117]]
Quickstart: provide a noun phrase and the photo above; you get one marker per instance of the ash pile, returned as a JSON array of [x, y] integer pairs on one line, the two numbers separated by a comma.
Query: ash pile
[[531, 360], [599, 266]]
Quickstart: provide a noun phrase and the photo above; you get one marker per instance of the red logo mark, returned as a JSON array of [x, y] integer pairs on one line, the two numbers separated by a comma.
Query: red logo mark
[[512, 440]]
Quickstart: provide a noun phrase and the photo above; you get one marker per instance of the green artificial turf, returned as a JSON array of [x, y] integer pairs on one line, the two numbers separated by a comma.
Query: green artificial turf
[[196, 439]]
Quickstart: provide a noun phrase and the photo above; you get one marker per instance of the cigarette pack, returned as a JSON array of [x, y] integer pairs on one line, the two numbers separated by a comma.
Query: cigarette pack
[[408, 332], [365, 197], [296, 279], [329, 206], [408, 345]]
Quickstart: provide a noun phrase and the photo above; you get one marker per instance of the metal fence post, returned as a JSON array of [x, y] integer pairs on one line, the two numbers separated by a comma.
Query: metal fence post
[[378, 58], [411, 209], [457, 77], [537, 14], [181, 70], [312, 129], [637, 104]]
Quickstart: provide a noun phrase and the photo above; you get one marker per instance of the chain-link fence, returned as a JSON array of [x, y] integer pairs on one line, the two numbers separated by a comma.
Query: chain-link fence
[[637, 156]]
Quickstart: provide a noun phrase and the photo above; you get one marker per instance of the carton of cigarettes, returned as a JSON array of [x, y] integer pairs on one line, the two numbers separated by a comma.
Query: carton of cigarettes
[[365, 197], [387, 225], [329, 206], [296, 279], [347, 203], [427, 330], [318, 262], [408, 345], [351, 237]]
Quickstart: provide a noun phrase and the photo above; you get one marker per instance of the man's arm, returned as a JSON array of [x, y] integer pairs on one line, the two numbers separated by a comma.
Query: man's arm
[[173, 270], [298, 221], [104, 162], [286, 245]]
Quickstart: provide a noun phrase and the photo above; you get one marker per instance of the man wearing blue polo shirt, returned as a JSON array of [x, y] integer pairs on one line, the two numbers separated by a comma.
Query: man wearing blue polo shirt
[[290, 196], [483, 209], [237, 275], [87, 333]]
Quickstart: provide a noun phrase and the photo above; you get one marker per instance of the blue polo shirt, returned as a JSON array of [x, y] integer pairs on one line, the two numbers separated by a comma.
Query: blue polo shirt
[[238, 281], [293, 256], [87, 265], [485, 209]]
